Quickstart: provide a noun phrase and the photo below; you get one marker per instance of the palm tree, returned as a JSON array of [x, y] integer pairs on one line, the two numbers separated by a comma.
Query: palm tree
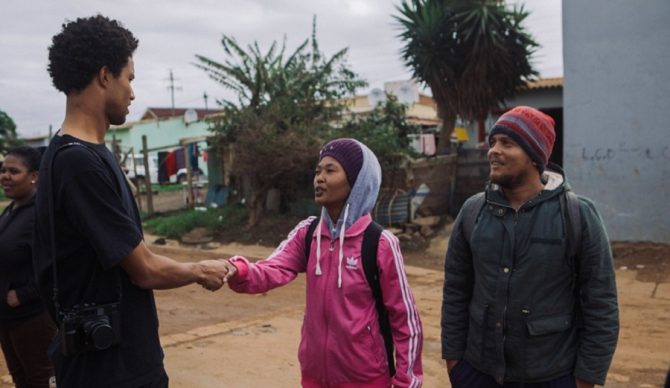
[[473, 54]]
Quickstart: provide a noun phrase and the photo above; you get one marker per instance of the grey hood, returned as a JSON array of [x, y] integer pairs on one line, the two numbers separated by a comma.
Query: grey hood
[[362, 197], [361, 201]]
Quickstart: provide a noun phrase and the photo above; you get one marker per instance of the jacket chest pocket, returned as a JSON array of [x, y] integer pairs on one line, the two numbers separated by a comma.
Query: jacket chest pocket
[[540, 238], [548, 253]]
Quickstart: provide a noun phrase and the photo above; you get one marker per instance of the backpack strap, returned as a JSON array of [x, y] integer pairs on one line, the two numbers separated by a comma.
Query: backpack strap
[[572, 219], [308, 237], [573, 222], [369, 255], [470, 214]]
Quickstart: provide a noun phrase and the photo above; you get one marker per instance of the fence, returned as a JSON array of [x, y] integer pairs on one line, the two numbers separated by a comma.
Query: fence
[[432, 186], [192, 190], [471, 176]]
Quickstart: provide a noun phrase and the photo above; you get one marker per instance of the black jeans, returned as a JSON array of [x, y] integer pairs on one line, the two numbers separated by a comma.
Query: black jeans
[[24, 345], [464, 375]]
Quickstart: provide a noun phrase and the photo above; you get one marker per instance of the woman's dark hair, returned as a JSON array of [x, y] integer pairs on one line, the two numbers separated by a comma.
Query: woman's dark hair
[[85, 46], [30, 156]]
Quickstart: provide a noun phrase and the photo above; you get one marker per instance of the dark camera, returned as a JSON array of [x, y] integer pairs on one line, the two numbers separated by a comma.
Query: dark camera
[[90, 328]]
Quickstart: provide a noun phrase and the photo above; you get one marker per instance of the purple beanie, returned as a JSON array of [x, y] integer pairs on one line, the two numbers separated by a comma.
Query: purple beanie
[[531, 129], [348, 153]]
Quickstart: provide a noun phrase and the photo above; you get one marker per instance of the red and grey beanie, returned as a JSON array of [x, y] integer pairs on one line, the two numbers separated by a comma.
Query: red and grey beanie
[[531, 129], [348, 153]]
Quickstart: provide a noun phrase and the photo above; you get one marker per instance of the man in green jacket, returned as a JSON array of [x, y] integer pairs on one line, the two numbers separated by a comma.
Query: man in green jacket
[[518, 308]]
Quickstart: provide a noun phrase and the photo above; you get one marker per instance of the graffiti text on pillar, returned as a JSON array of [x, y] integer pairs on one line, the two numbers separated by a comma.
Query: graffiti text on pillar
[[604, 154]]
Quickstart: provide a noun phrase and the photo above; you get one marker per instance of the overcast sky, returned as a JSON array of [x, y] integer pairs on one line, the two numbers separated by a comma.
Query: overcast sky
[[171, 32]]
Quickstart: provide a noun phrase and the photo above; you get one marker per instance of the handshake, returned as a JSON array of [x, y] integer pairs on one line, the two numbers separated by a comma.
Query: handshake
[[213, 274]]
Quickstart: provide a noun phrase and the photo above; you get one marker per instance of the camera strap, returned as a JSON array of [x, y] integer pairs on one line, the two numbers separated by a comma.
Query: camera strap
[[52, 235]]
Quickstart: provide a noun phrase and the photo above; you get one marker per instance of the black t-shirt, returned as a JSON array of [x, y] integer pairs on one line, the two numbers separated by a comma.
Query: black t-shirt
[[96, 225]]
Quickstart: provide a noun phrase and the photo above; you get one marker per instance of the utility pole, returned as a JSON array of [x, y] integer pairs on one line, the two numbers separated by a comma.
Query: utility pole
[[205, 97], [147, 177], [172, 88]]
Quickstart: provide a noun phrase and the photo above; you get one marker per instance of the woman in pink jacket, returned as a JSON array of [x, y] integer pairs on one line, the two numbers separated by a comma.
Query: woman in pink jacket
[[342, 345]]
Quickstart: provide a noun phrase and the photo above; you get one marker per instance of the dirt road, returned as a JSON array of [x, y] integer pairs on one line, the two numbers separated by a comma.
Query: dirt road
[[223, 339]]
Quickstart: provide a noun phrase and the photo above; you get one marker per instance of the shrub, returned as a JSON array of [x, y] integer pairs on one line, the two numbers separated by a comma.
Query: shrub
[[214, 220]]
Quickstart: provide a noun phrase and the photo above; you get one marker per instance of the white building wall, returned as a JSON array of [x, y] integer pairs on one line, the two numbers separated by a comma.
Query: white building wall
[[616, 103]]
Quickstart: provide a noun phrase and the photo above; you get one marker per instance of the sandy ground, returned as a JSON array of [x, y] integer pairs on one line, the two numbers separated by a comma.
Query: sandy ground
[[223, 339]]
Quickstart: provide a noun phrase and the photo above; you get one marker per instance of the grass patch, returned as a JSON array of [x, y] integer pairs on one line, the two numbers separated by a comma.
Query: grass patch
[[166, 188], [214, 220]]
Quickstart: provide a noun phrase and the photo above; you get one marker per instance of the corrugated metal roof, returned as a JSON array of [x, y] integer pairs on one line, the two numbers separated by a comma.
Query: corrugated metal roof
[[545, 83], [162, 113]]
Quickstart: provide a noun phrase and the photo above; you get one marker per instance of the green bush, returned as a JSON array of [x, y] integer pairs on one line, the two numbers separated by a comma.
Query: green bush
[[162, 188], [385, 130], [214, 220]]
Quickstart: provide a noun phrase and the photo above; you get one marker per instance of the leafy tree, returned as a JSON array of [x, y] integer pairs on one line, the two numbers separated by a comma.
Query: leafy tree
[[473, 54], [8, 137], [284, 107], [385, 131]]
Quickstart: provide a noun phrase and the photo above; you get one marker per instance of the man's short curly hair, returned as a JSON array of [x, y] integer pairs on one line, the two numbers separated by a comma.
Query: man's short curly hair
[[86, 45]]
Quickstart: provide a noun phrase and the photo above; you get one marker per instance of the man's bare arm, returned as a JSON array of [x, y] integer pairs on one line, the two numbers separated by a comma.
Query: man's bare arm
[[151, 271]]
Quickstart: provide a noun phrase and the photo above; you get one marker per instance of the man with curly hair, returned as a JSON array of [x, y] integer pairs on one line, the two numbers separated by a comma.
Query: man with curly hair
[[90, 259]]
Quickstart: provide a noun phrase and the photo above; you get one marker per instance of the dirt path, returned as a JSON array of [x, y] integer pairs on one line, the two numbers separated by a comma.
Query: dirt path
[[225, 339], [263, 330]]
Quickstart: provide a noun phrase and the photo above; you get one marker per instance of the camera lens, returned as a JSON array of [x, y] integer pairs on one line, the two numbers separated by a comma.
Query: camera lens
[[99, 332]]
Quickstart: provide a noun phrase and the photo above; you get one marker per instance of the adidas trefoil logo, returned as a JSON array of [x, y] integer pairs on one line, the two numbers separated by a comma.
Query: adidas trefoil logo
[[352, 262]]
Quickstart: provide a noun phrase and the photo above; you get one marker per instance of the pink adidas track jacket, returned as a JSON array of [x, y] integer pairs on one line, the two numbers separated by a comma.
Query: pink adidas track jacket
[[341, 343]]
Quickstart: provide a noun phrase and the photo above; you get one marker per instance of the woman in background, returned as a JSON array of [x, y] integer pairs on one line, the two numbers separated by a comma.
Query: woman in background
[[26, 329]]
